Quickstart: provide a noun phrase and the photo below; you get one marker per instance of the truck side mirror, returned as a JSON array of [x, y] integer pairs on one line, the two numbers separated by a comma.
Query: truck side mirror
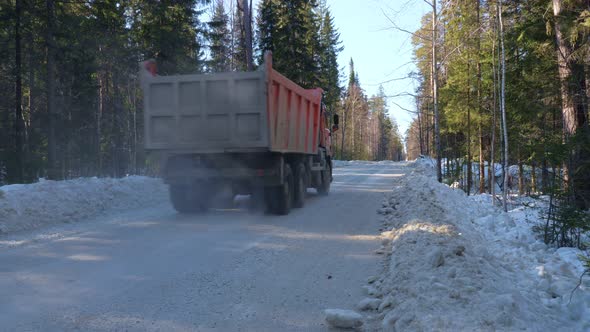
[[336, 119]]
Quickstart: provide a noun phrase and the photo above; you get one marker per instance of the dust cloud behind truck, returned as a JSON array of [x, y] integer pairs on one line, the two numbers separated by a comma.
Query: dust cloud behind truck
[[258, 132]]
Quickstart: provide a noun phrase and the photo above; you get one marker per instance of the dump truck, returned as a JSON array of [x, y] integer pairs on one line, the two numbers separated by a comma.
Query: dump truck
[[257, 132]]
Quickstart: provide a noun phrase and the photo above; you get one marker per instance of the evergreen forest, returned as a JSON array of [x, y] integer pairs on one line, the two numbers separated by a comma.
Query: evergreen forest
[[505, 82], [70, 98], [503, 104]]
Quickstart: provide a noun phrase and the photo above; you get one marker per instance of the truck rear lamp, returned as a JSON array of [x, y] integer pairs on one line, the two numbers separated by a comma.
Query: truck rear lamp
[[260, 172]]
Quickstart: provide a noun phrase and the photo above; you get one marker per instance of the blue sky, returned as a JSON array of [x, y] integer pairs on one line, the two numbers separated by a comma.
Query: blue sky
[[380, 53]]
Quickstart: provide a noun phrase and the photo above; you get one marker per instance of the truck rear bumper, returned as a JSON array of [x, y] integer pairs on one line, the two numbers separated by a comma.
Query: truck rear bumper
[[265, 177]]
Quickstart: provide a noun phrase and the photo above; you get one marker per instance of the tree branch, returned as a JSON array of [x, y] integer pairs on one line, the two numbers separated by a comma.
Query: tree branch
[[407, 94], [396, 27], [392, 80]]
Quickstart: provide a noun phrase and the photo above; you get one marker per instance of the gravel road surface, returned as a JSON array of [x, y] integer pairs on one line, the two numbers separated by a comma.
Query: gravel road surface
[[228, 270]]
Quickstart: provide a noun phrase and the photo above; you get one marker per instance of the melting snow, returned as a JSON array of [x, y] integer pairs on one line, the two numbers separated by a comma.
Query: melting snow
[[456, 263], [29, 206]]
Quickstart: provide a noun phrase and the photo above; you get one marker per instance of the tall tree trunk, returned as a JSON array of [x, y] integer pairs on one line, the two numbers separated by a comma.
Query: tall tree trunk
[[533, 177], [18, 109], [586, 109], [503, 105], [482, 178], [420, 135], [134, 145], [492, 168], [247, 22], [32, 95], [343, 133], [469, 167], [352, 131], [428, 131], [520, 174], [544, 170], [435, 94], [99, 115], [482, 166], [568, 108], [573, 118], [50, 85]]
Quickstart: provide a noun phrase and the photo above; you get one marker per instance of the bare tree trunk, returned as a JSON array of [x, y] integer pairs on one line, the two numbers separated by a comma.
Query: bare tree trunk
[[247, 22], [520, 175], [469, 167], [32, 97], [482, 171], [50, 84], [503, 105], [447, 159], [18, 109], [343, 132], [420, 135], [544, 170], [586, 110], [435, 94], [568, 109], [352, 131], [482, 166], [533, 177], [99, 115], [232, 36], [427, 129], [134, 155], [492, 168]]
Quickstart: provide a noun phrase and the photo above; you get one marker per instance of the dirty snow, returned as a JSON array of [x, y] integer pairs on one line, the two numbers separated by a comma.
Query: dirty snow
[[347, 163], [29, 206], [455, 263], [343, 318]]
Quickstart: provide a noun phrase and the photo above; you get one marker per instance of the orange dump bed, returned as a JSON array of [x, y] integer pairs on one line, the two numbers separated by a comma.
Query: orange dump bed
[[231, 112], [293, 113]]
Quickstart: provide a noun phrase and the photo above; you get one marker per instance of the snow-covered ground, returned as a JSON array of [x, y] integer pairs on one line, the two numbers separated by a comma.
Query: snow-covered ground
[[455, 263], [29, 206], [347, 163], [153, 269], [452, 262]]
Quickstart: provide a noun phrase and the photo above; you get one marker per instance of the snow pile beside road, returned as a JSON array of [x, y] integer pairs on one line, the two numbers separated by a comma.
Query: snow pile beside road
[[28, 206], [455, 264], [346, 163], [425, 162]]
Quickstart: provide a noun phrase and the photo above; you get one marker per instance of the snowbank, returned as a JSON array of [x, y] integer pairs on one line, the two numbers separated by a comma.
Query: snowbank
[[457, 264], [346, 163], [28, 206]]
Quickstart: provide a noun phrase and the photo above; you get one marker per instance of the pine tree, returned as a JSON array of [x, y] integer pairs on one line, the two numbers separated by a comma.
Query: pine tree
[[171, 34], [290, 30], [267, 21], [219, 40], [330, 47]]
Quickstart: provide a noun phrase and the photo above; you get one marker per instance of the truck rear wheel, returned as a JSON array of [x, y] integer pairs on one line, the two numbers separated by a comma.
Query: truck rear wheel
[[187, 199], [279, 198], [326, 176], [300, 186]]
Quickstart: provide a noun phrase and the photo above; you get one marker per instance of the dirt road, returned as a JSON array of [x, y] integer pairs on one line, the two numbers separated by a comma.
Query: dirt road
[[228, 270]]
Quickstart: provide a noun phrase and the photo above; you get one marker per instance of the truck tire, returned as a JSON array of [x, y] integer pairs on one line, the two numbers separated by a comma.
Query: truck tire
[[181, 199], [326, 176], [187, 199], [300, 188], [280, 198]]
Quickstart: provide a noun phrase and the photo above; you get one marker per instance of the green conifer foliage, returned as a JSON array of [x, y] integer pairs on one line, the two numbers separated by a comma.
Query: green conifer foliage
[[219, 40]]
